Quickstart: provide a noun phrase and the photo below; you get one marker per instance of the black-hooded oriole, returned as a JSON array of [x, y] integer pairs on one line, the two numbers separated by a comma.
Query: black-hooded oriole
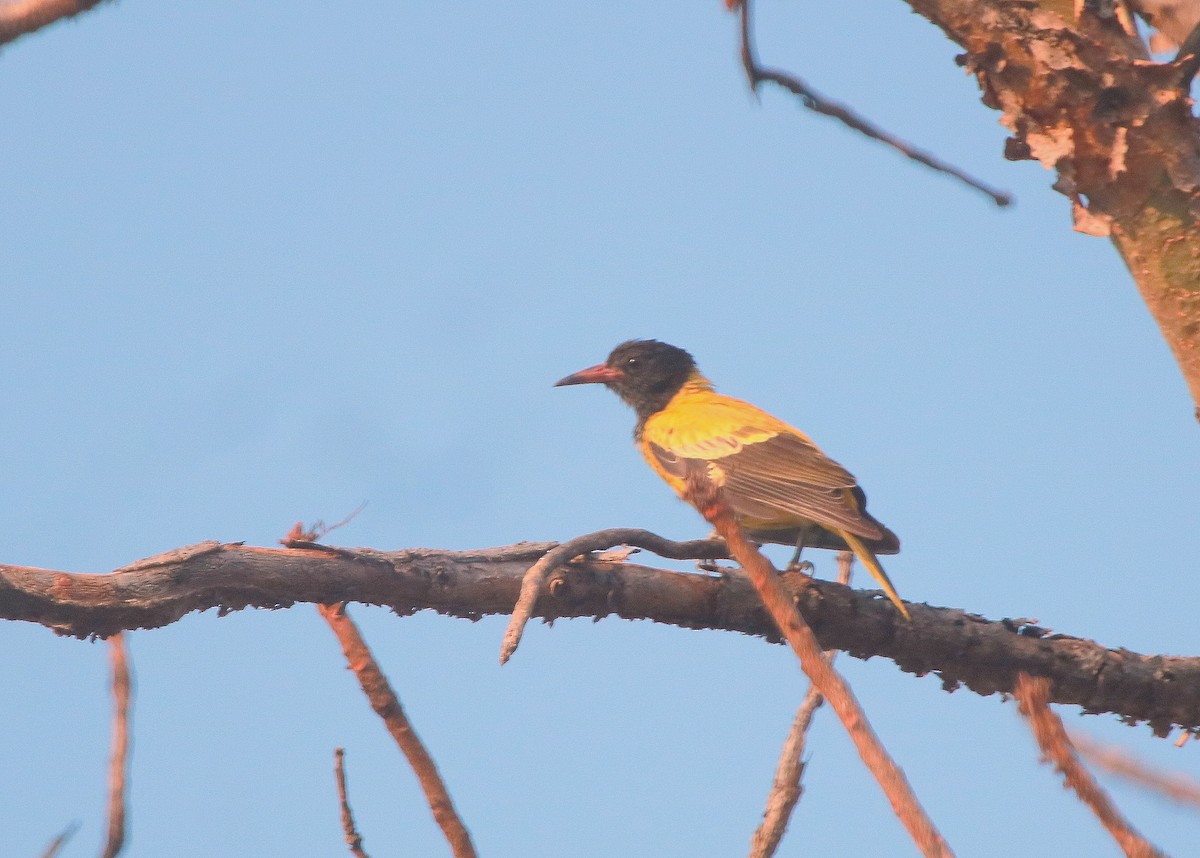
[[779, 484]]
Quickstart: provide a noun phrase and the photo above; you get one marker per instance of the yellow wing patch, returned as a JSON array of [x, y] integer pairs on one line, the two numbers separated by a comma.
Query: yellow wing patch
[[770, 473]]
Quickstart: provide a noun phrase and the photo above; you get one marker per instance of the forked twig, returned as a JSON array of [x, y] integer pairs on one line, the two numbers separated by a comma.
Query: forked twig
[[705, 497], [601, 540], [820, 104], [385, 703], [122, 686], [353, 838], [786, 789], [1033, 697]]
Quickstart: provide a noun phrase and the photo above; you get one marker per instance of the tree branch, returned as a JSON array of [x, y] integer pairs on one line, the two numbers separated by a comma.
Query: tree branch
[[706, 497], [1176, 786], [963, 648], [55, 846], [21, 17], [122, 686], [353, 838], [1033, 696], [535, 579], [818, 103], [786, 788], [387, 705], [1082, 99]]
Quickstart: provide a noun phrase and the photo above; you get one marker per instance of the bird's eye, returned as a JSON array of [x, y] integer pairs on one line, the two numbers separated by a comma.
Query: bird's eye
[[631, 362]]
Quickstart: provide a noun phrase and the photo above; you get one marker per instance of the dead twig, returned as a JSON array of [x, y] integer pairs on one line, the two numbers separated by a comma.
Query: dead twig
[[304, 537], [21, 17], [1033, 697], [787, 788], [56, 845], [385, 703], [122, 686], [1176, 786], [601, 540], [353, 838], [811, 99], [778, 601]]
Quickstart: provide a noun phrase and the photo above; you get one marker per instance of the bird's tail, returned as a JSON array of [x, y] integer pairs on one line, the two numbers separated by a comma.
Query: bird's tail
[[868, 559]]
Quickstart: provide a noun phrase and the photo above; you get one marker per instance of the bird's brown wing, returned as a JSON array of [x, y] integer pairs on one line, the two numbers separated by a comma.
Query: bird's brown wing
[[781, 481]]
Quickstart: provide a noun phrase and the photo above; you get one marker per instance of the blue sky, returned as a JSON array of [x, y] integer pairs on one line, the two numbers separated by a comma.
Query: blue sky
[[260, 267]]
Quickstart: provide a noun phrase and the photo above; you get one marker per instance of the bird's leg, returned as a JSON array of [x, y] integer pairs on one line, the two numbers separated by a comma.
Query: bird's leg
[[796, 564], [710, 566]]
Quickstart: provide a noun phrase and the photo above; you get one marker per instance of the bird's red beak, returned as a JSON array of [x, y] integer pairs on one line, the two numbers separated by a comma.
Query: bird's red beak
[[601, 373]]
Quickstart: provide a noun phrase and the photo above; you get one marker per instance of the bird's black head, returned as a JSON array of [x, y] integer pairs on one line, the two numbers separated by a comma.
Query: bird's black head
[[645, 373]]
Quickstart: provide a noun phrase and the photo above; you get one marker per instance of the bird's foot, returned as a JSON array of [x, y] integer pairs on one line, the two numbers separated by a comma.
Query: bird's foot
[[800, 566]]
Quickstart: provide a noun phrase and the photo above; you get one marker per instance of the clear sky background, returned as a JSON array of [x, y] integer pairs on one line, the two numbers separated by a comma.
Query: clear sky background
[[262, 263]]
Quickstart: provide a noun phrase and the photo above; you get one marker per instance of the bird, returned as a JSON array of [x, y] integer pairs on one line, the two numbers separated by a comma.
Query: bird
[[781, 488]]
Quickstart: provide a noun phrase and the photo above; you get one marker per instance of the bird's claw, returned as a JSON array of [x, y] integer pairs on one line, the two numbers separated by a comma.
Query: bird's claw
[[801, 566]]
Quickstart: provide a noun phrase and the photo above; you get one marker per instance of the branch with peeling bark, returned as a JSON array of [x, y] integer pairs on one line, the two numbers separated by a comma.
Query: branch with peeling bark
[[962, 648], [1081, 98]]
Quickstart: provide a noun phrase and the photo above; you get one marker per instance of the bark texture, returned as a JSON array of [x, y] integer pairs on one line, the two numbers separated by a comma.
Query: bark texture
[[961, 648], [1080, 97]]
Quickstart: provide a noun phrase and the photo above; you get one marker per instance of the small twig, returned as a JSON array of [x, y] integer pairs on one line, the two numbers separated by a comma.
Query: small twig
[[778, 601], [384, 701], [305, 537], [1176, 786], [601, 540], [56, 845], [353, 838], [1033, 696], [21, 17], [122, 686], [787, 788], [811, 99]]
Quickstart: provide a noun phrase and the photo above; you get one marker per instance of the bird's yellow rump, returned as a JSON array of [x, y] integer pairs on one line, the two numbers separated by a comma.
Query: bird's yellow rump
[[778, 483]]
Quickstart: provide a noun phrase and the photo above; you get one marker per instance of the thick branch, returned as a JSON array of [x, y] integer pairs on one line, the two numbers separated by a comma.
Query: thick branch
[[1081, 98], [962, 648]]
